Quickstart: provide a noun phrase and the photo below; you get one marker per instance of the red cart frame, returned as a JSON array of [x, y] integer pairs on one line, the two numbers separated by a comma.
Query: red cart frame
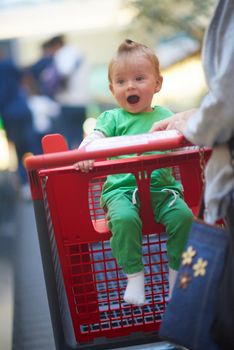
[[84, 284]]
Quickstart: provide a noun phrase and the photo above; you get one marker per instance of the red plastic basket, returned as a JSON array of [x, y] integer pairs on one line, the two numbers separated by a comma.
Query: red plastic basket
[[84, 266]]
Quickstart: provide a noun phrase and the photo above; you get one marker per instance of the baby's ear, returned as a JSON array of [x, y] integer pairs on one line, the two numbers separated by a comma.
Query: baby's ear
[[159, 83], [111, 88]]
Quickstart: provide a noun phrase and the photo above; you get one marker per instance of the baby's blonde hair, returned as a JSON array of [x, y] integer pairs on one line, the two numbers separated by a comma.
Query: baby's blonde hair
[[129, 46]]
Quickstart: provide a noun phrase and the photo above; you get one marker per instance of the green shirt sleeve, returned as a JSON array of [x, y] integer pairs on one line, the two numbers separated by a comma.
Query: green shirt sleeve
[[106, 123]]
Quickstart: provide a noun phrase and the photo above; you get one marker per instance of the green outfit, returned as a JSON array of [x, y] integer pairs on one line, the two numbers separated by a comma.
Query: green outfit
[[119, 189]]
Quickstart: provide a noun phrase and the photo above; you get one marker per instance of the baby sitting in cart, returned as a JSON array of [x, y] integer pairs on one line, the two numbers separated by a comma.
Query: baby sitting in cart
[[134, 78]]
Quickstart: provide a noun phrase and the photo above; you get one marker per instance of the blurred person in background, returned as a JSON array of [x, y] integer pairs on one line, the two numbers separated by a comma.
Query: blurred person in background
[[66, 79], [39, 68], [45, 111], [17, 117]]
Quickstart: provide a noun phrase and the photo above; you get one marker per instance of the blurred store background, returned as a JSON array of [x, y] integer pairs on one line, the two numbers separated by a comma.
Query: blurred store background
[[175, 29]]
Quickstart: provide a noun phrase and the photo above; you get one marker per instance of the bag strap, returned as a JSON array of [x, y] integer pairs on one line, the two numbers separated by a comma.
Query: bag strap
[[202, 166], [202, 207]]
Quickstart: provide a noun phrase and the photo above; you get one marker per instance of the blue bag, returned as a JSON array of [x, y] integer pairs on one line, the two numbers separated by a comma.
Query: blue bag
[[190, 314]]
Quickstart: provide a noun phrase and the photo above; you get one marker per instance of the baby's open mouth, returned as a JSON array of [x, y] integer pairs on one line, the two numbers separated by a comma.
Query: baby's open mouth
[[133, 99]]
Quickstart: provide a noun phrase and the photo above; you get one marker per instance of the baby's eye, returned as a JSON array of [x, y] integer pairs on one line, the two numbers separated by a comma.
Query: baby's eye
[[140, 78], [120, 81]]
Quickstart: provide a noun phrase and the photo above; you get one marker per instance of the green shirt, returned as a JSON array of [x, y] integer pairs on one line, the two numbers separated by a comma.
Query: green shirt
[[118, 122]]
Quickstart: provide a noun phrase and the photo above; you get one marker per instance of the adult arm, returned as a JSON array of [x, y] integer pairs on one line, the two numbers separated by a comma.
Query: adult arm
[[213, 123]]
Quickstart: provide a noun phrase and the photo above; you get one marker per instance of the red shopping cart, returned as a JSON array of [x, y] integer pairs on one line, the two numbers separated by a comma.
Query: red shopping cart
[[84, 284]]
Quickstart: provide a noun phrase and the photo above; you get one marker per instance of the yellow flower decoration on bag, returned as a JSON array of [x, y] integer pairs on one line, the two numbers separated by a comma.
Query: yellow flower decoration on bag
[[188, 255], [200, 267]]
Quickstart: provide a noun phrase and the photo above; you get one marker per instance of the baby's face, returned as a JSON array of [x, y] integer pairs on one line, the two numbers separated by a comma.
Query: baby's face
[[134, 82]]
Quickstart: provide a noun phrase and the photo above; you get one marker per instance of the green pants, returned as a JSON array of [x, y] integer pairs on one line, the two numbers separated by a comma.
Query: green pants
[[126, 227]]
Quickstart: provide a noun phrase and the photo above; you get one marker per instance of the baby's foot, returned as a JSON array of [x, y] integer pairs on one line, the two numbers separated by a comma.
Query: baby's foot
[[135, 290]]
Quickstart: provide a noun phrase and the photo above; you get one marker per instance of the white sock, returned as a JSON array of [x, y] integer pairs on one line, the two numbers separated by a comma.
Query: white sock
[[135, 290], [172, 278]]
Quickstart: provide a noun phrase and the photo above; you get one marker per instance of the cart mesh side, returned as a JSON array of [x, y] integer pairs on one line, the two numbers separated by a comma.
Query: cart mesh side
[[101, 309], [90, 281]]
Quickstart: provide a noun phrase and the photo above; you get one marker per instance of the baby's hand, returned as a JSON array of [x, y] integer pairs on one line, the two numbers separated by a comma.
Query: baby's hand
[[84, 165]]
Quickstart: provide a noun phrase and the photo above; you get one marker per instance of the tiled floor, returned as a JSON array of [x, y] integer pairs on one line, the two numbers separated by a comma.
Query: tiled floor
[[6, 292], [7, 239]]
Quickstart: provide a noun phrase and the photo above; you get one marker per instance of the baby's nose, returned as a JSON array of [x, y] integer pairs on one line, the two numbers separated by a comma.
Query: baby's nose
[[131, 84]]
